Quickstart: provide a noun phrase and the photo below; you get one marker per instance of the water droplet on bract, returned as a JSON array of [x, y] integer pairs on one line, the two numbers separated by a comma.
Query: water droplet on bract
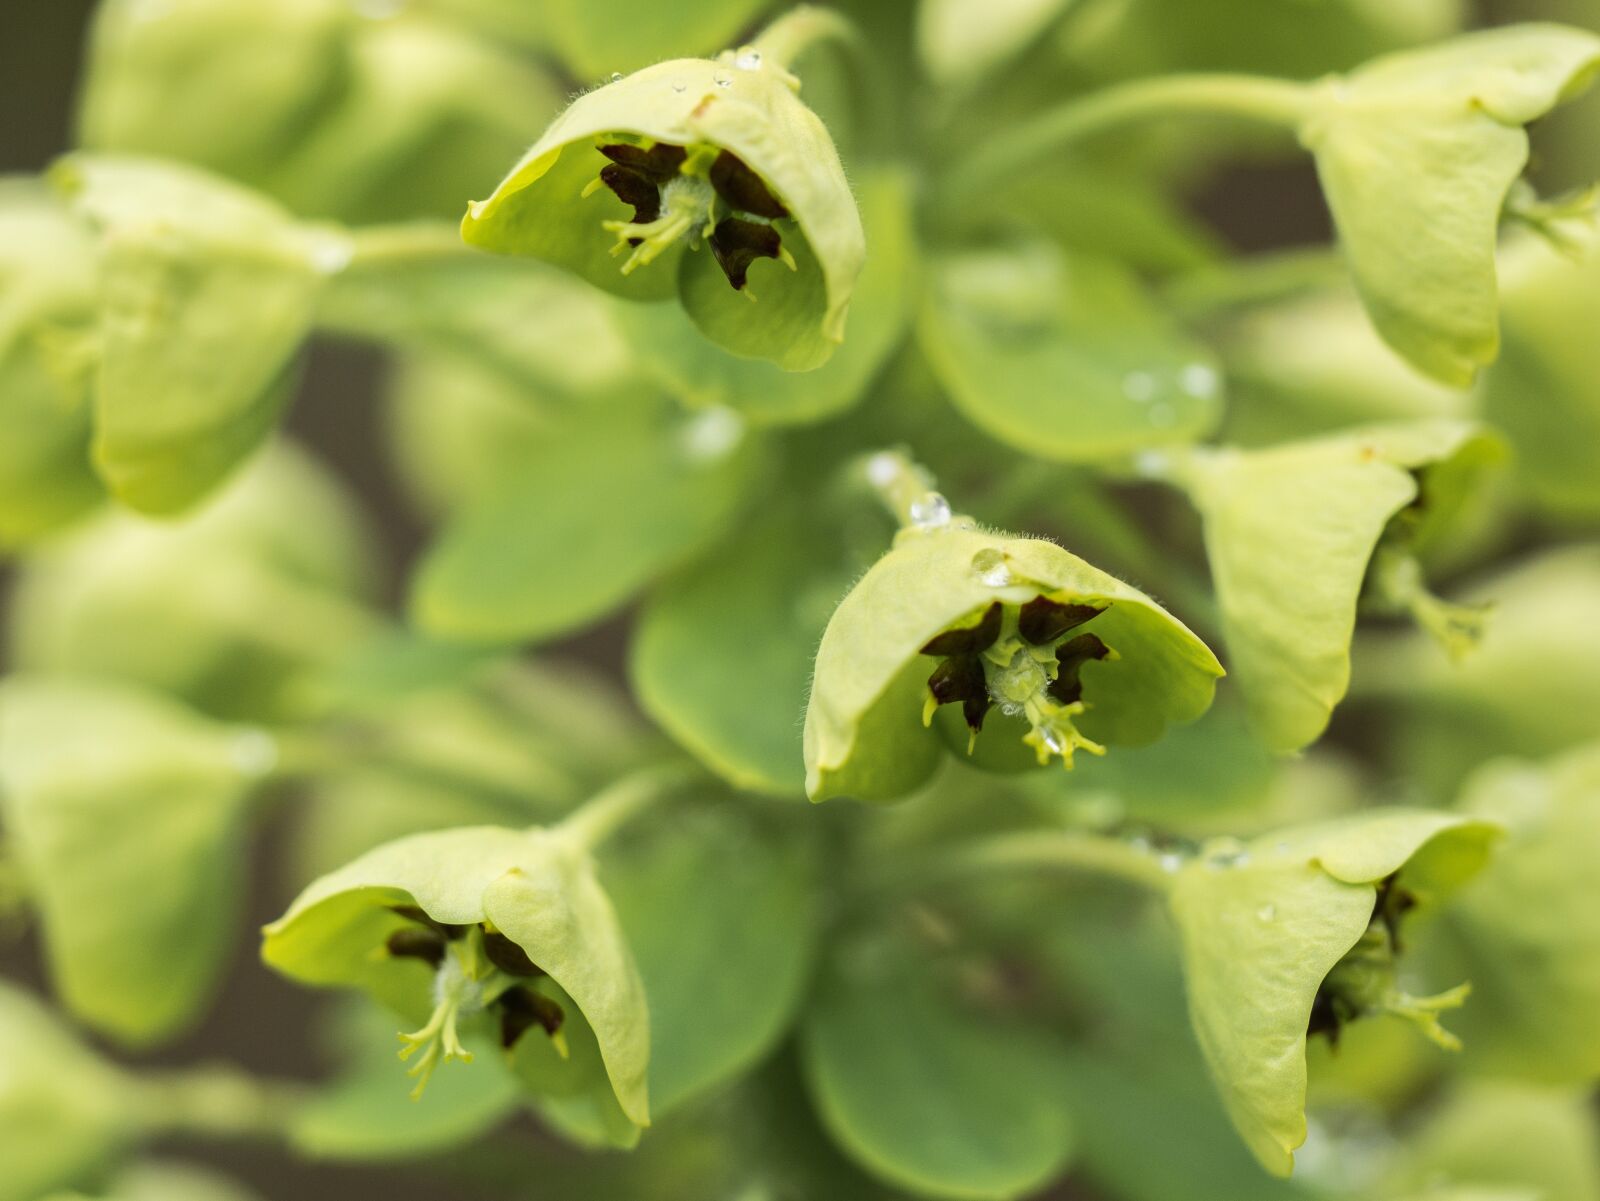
[[1152, 464], [930, 511], [1170, 861], [1225, 853], [1268, 913], [1162, 414], [253, 752], [990, 566], [712, 434], [748, 60], [722, 79], [882, 468], [616, 77], [1139, 386], [1200, 380], [1053, 740], [679, 86], [331, 255], [1139, 842]]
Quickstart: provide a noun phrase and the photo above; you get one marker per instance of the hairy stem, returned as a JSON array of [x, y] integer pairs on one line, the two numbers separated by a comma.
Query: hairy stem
[[798, 30], [1041, 850], [903, 485]]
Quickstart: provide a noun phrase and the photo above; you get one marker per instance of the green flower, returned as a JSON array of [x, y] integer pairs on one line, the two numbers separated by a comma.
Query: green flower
[[701, 179], [46, 348], [65, 1115], [952, 615], [1298, 535], [1297, 934], [486, 926]]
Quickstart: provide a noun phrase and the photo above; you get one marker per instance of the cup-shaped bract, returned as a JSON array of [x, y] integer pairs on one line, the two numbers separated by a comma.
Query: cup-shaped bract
[[1290, 532], [1294, 933], [47, 309], [452, 927], [1073, 658], [1537, 907], [1417, 151], [626, 184], [127, 812], [65, 1115], [234, 608], [207, 291]]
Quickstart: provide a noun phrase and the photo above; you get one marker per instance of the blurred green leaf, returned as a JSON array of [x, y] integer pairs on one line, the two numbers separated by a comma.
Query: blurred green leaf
[[128, 813], [997, 323], [926, 1092], [719, 907], [207, 292], [607, 502]]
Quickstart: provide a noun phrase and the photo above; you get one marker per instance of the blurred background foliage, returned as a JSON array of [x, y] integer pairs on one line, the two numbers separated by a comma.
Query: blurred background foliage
[[438, 405]]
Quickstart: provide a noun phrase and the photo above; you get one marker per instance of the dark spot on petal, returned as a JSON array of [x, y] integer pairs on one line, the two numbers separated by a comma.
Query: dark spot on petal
[[1043, 620], [634, 190], [659, 164], [738, 243], [968, 640], [508, 956], [743, 190], [412, 942], [521, 1009], [415, 913], [1071, 655]]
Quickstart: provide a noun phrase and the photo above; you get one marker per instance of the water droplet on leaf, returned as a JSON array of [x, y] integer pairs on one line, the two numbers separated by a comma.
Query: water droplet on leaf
[[616, 77], [712, 434], [1200, 380], [253, 752], [722, 79], [748, 60], [1268, 913]]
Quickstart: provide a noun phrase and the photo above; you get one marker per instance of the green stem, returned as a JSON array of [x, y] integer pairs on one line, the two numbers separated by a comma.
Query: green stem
[[215, 1103], [623, 800], [801, 28], [406, 244], [1275, 101], [905, 487], [1042, 850], [1259, 279]]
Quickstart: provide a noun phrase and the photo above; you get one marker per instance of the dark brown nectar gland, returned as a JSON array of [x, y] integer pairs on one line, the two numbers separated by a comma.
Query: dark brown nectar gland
[[1040, 622], [673, 193]]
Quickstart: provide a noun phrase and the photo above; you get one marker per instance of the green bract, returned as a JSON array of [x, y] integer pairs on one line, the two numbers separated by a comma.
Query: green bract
[[232, 608], [64, 1114], [1417, 152], [718, 151], [46, 318], [994, 619], [157, 1181], [1295, 932], [206, 293], [1290, 532], [127, 812], [484, 920], [1537, 909]]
